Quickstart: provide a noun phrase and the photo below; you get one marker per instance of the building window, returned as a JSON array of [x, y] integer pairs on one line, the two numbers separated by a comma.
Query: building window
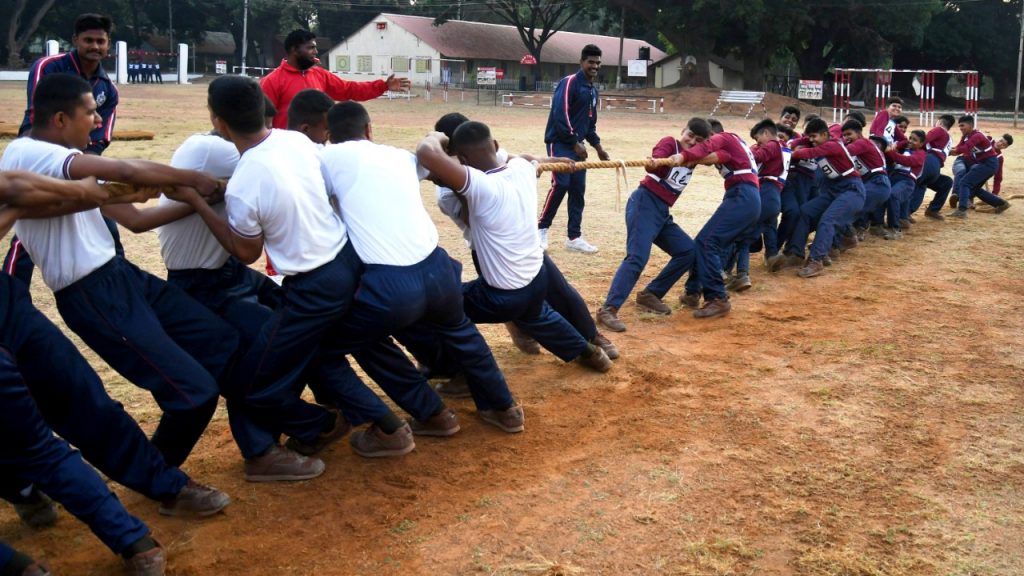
[[343, 63], [422, 65], [399, 64], [365, 63]]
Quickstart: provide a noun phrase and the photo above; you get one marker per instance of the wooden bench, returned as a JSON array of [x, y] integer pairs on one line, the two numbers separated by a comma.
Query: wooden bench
[[741, 97]]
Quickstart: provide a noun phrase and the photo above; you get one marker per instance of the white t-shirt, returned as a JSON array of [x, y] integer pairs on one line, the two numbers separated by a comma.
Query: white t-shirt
[[450, 206], [277, 192], [503, 223], [376, 189], [188, 243], [65, 248]]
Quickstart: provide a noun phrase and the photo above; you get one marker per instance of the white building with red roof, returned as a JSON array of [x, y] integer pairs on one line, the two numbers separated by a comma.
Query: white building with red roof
[[453, 52]]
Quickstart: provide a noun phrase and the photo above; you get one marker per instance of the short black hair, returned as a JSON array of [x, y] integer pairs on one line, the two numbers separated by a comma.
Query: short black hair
[[816, 126], [469, 134], [966, 119], [239, 102], [854, 125], [449, 122], [810, 117], [347, 121], [297, 38], [588, 51], [699, 127], [57, 93], [790, 109], [786, 130], [766, 124], [920, 134], [309, 106], [901, 119], [858, 116], [716, 126], [947, 120], [1009, 139], [894, 100], [93, 22]]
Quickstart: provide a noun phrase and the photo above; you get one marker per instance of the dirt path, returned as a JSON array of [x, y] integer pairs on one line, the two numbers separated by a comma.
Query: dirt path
[[866, 422]]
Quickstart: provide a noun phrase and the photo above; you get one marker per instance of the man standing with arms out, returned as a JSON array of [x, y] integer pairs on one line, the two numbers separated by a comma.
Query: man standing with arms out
[[92, 43], [299, 70], [572, 121]]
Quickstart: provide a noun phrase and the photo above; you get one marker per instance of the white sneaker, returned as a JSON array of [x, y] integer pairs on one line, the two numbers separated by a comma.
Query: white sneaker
[[543, 233], [580, 245]]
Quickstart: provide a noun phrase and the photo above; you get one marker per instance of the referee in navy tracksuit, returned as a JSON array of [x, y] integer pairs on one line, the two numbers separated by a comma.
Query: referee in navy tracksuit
[[572, 121]]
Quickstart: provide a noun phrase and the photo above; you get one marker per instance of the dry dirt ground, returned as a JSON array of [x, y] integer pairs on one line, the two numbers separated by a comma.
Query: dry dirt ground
[[865, 422]]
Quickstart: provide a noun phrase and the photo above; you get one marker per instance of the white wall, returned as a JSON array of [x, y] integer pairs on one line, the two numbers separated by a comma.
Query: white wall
[[381, 46], [668, 73]]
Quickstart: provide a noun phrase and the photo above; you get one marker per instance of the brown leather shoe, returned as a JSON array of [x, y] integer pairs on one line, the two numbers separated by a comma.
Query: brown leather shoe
[[279, 464], [690, 300], [445, 423], [195, 499], [522, 340], [457, 387], [651, 303], [325, 439], [608, 316], [607, 345], [149, 563], [374, 443], [509, 420], [812, 269], [597, 360], [712, 308]]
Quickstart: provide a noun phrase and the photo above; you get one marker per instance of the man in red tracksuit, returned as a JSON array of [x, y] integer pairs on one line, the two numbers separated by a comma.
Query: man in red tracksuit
[[299, 71]]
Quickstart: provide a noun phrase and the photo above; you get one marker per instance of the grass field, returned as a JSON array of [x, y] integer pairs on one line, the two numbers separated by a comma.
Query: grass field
[[867, 422]]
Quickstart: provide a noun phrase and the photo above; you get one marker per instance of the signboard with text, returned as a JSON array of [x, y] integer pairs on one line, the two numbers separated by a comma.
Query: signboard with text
[[486, 76], [810, 90]]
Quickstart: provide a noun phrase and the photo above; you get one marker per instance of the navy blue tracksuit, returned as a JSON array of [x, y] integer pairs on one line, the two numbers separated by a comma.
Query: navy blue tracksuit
[[572, 120], [246, 299], [740, 208], [30, 454], [422, 297], [158, 338], [72, 400], [835, 207], [649, 223]]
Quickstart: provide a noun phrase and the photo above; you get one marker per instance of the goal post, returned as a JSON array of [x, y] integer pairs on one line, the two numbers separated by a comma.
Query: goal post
[[843, 87]]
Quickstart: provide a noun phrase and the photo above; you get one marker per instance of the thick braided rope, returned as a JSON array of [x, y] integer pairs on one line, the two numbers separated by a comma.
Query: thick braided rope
[[620, 164], [118, 189]]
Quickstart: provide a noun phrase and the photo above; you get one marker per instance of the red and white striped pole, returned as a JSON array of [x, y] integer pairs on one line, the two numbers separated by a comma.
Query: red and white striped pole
[[661, 105], [849, 76], [835, 94], [878, 90], [931, 98]]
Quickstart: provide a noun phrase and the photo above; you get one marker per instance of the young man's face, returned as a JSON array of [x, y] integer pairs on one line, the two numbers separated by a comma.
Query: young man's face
[[305, 55], [789, 120], [851, 136], [818, 138], [915, 142], [1002, 144], [92, 45], [688, 139], [965, 127], [591, 65], [895, 109], [75, 127], [903, 126]]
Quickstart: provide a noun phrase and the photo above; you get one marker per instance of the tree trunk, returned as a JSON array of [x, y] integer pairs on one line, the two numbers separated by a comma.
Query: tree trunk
[[15, 41], [753, 71]]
